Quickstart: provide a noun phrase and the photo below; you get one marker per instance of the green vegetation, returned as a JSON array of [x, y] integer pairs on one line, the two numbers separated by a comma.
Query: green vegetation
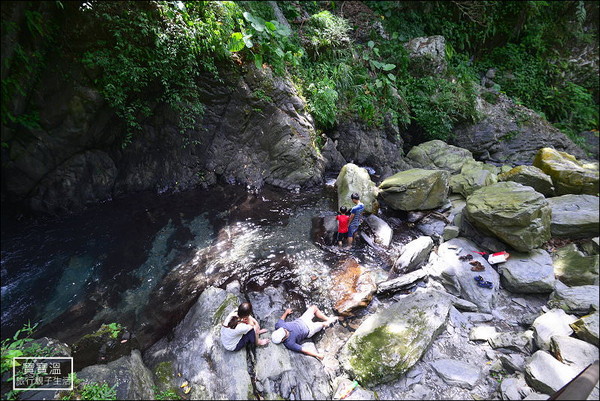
[[83, 390], [527, 43], [20, 345], [141, 54]]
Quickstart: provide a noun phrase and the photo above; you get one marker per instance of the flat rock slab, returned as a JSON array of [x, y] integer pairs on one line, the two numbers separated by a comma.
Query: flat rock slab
[[579, 300], [574, 352], [552, 323], [457, 373], [528, 273], [546, 374], [574, 216]]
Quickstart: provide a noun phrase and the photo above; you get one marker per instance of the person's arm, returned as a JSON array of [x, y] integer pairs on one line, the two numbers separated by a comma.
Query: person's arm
[[351, 218], [286, 313]]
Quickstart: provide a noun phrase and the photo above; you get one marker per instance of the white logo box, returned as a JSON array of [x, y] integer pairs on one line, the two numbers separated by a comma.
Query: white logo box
[[30, 358]]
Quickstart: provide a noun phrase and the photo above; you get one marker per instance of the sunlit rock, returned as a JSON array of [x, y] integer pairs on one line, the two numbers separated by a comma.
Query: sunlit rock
[[353, 179], [569, 175], [546, 374], [554, 322], [530, 176], [586, 328]]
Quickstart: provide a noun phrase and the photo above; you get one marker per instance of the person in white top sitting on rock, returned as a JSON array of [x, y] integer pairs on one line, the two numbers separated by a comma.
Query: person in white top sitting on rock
[[240, 329]]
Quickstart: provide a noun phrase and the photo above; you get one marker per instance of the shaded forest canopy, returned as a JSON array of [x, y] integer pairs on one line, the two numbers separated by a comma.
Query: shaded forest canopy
[[346, 58]]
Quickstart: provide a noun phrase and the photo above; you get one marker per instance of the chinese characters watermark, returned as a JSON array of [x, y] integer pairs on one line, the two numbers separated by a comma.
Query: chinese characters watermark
[[43, 373]]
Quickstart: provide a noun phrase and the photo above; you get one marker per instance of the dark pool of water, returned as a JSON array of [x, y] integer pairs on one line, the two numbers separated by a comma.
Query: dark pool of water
[[109, 263]]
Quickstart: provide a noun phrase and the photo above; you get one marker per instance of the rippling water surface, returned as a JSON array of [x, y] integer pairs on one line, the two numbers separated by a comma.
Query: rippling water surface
[[109, 263]]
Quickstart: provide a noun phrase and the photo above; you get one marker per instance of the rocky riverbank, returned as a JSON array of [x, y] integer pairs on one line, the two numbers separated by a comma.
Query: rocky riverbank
[[420, 327]]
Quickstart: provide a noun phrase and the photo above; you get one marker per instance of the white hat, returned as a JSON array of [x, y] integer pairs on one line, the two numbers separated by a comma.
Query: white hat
[[278, 335]]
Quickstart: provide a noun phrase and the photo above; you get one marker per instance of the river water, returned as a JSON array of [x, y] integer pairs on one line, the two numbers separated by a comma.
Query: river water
[[142, 260]]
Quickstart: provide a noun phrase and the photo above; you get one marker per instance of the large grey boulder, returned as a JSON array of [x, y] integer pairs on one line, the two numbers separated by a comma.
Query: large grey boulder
[[572, 351], [546, 374], [530, 176], [415, 189], [438, 155], [509, 133], [586, 328], [569, 175], [574, 216], [195, 350], [573, 267], [387, 344], [456, 275], [514, 213], [473, 175], [527, 273], [356, 179], [552, 323], [131, 378], [579, 300]]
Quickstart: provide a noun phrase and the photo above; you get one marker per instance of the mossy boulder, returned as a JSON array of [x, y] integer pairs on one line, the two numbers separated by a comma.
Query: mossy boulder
[[574, 216], [516, 214], [415, 189], [438, 155], [573, 267], [569, 175], [388, 343], [356, 179], [530, 176], [473, 175]]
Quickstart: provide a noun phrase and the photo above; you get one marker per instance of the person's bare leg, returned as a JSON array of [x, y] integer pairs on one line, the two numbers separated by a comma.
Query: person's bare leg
[[319, 314]]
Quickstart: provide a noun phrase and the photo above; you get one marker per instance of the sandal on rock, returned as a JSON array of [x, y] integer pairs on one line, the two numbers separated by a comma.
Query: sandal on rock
[[484, 284], [479, 278], [466, 257], [477, 266]]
